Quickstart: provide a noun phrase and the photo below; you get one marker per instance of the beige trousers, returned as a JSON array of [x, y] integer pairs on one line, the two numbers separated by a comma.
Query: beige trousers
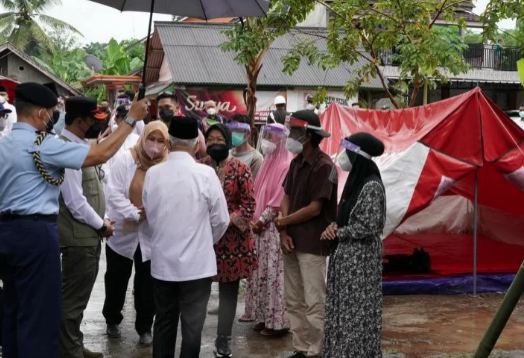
[[305, 294]]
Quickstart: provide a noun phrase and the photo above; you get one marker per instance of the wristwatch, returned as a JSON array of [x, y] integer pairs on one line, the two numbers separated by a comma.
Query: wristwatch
[[131, 121]]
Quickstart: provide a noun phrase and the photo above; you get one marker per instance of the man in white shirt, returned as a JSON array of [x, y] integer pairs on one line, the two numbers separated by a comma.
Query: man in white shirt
[[4, 113], [187, 212], [81, 226], [11, 117], [132, 138]]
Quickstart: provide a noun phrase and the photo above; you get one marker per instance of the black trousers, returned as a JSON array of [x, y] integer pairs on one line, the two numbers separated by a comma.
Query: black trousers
[[186, 301], [1, 316], [119, 269], [227, 307]]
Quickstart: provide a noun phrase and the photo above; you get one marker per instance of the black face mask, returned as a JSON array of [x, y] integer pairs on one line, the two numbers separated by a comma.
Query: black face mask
[[166, 114], [94, 131], [104, 108], [56, 116], [218, 152]]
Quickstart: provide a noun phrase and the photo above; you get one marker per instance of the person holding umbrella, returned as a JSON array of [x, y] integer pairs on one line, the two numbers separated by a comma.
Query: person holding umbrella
[[31, 173]]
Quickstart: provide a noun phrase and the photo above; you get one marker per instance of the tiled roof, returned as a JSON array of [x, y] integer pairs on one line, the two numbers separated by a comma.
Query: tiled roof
[[194, 57]]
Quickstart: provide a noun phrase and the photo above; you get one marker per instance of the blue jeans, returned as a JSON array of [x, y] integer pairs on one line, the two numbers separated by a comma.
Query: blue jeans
[[30, 271]]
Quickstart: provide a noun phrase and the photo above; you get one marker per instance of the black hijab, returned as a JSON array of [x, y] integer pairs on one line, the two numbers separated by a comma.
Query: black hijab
[[363, 171]]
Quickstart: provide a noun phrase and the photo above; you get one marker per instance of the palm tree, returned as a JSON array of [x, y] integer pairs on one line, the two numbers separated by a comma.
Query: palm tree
[[24, 24]]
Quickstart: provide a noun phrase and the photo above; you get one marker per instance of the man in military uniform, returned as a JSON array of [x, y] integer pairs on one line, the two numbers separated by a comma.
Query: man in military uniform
[[81, 226], [30, 177]]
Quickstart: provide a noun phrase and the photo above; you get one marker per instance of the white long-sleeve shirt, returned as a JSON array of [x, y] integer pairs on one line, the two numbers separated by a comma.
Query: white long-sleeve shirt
[[120, 208], [73, 194], [187, 213], [129, 143]]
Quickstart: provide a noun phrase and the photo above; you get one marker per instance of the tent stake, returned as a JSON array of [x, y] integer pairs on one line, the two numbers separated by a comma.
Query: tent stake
[[475, 232]]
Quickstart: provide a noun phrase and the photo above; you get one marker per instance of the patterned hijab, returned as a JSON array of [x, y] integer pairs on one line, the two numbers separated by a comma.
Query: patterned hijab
[[143, 162]]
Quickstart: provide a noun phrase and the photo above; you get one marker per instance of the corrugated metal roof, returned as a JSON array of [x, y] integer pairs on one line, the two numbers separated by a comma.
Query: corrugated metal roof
[[194, 57]]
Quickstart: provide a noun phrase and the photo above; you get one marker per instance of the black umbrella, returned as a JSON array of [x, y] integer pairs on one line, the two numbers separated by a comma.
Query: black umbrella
[[201, 9]]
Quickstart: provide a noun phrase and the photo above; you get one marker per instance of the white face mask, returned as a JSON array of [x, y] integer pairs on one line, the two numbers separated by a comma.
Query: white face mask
[[294, 146], [212, 111], [3, 99], [114, 127], [344, 162], [267, 146]]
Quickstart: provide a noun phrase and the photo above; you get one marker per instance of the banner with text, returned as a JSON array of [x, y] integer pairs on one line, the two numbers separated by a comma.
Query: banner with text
[[229, 102]]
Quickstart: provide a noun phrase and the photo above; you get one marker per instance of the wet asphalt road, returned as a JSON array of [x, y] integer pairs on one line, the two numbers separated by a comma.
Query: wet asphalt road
[[414, 326]]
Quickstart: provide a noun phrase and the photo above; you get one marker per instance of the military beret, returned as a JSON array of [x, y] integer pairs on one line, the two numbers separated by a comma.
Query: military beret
[[36, 94], [52, 87], [84, 107]]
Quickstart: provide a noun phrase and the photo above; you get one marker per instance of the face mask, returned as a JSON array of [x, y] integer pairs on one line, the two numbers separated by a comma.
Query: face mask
[[3, 99], [267, 146], [238, 139], [50, 124], [521, 114], [56, 116], [212, 111], [94, 131], [153, 150], [166, 114], [104, 108], [344, 162], [294, 146], [114, 127], [218, 152]]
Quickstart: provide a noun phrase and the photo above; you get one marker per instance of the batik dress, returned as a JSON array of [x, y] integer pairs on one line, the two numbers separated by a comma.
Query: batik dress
[[268, 281], [353, 320], [235, 251]]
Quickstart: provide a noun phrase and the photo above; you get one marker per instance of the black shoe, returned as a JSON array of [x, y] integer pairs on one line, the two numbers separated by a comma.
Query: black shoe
[[88, 354], [298, 355], [223, 347], [113, 331]]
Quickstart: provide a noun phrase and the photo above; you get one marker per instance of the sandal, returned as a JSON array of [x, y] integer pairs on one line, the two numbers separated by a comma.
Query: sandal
[[244, 319], [259, 326]]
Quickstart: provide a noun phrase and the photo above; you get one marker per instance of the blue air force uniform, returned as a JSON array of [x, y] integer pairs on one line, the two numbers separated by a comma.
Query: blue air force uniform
[[29, 240]]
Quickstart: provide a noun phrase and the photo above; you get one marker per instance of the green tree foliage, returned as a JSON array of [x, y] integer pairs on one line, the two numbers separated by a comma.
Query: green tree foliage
[[67, 62], [251, 39], [402, 32], [26, 27], [498, 10]]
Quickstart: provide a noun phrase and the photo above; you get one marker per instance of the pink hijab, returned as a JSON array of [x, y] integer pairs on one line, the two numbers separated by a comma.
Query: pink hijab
[[268, 184]]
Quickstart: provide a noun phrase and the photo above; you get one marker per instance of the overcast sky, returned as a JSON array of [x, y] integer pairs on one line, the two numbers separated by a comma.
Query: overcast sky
[[100, 23]]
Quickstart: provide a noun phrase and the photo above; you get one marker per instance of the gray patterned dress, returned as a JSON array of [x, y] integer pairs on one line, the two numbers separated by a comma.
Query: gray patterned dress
[[353, 322]]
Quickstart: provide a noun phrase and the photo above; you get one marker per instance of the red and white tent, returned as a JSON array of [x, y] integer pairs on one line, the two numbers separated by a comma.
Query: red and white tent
[[437, 158]]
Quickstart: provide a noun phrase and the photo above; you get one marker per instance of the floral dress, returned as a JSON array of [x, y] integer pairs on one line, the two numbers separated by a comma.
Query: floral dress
[[235, 251], [353, 323], [267, 284]]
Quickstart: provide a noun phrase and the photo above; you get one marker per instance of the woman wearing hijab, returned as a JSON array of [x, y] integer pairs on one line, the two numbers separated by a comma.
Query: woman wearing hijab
[[235, 252], [353, 323], [267, 287], [129, 244]]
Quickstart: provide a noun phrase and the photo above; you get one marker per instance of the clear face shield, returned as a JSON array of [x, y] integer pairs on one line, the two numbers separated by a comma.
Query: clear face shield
[[345, 157], [272, 140], [239, 133], [296, 128]]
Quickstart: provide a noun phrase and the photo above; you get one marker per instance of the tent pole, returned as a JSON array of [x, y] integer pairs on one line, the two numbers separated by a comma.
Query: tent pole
[[475, 232]]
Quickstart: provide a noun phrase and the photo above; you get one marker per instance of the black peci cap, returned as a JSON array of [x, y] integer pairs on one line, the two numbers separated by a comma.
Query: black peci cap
[[183, 128]]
